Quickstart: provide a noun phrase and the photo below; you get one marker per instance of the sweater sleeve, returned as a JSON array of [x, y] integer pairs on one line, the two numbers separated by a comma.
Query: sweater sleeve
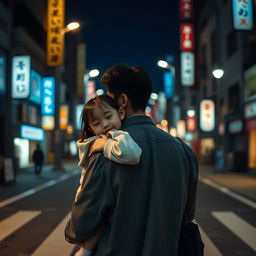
[[121, 148]]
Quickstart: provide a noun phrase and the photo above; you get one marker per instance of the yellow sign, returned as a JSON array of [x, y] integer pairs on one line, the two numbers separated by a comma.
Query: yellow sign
[[55, 34], [63, 117]]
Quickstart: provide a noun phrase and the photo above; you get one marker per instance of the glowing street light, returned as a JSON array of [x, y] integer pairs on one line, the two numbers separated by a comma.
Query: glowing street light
[[94, 73], [162, 64], [154, 96], [71, 27], [218, 73]]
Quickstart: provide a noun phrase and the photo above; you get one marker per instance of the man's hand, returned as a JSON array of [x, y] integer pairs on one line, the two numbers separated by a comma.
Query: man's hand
[[98, 145]]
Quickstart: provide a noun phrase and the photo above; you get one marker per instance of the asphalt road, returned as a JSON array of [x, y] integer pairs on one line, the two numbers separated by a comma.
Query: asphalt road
[[33, 223]]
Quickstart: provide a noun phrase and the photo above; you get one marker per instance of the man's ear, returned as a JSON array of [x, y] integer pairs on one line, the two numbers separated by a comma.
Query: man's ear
[[123, 100], [121, 113]]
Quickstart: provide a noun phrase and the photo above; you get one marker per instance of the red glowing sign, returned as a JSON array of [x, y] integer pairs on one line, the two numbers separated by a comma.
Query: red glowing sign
[[186, 9], [191, 123], [187, 37]]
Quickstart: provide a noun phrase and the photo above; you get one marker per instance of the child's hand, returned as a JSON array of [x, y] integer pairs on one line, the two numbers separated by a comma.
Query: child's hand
[[98, 145]]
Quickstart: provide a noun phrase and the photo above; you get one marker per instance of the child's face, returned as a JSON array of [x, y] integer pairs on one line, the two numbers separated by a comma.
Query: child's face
[[104, 119]]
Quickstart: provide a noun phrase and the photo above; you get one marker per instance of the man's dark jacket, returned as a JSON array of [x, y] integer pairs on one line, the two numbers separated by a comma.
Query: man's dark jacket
[[141, 206]]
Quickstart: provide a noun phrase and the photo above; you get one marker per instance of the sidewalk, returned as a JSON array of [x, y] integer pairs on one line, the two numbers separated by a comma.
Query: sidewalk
[[26, 179], [241, 183]]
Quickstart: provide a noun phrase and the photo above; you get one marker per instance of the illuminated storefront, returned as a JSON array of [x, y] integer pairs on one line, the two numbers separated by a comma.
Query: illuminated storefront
[[251, 128], [25, 145]]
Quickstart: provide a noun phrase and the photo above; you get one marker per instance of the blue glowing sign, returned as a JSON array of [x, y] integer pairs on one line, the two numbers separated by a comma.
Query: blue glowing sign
[[35, 87], [31, 133], [168, 84], [243, 14], [48, 96]]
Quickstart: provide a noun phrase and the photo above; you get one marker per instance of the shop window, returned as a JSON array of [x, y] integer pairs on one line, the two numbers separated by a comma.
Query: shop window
[[231, 43]]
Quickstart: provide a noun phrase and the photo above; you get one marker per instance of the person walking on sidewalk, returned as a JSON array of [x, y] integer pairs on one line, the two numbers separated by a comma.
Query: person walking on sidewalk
[[38, 159], [141, 206]]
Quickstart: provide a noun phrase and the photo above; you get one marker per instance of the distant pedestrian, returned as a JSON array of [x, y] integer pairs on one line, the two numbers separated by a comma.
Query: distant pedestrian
[[38, 159]]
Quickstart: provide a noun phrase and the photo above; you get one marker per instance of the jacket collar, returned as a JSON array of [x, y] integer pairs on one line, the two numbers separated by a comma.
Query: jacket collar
[[137, 120]]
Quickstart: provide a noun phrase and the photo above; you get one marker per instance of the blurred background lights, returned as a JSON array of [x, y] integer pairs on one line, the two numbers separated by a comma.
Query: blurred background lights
[[162, 64], [218, 73], [73, 26], [191, 112], [94, 73], [164, 122], [99, 92], [173, 131], [154, 96]]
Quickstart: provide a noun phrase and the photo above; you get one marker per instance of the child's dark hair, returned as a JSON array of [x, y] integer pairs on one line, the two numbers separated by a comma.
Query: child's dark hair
[[87, 112]]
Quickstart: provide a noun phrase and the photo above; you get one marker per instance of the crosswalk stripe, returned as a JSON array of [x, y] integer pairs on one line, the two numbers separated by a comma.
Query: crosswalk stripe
[[15, 221], [238, 226], [39, 188], [55, 243], [209, 247]]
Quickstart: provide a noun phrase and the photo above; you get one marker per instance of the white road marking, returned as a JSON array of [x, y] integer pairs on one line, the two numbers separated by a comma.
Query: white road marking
[[228, 192], [55, 243], [209, 247], [238, 226], [15, 221], [39, 188]]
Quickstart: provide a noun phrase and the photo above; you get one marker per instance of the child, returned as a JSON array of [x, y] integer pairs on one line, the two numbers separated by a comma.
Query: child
[[101, 119]]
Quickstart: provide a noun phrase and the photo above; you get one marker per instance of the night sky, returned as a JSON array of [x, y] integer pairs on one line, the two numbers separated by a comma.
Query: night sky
[[139, 34]]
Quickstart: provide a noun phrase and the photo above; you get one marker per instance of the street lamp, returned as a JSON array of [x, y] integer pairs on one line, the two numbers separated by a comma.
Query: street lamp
[[71, 27], [165, 64], [87, 75], [170, 102], [218, 73], [58, 143]]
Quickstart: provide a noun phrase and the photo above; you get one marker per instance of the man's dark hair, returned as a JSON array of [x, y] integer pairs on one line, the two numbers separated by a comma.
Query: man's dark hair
[[133, 81]]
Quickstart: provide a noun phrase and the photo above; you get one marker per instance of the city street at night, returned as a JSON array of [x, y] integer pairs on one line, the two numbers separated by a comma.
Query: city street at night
[[127, 129]]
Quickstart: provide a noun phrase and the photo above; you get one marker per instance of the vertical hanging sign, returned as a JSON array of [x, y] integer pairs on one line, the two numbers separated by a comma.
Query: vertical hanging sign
[[48, 96], [55, 34], [207, 115], [90, 90], [20, 77], [242, 14], [187, 37], [168, 84], [187, 69], [186, 9]]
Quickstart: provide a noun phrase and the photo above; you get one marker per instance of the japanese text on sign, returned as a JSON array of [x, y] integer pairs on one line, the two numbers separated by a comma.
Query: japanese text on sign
[[207, 115], [186, 9], [187, 37], [243, 14], [48, 96], [187, 69], [55, 39], [20, 77]]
